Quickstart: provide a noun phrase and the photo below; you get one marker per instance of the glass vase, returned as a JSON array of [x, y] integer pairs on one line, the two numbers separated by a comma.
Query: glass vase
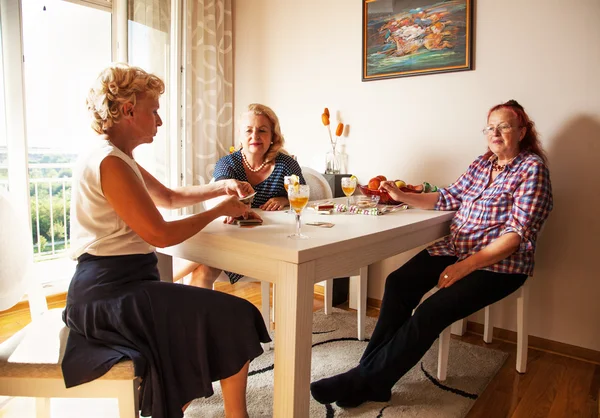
[[332, 162]]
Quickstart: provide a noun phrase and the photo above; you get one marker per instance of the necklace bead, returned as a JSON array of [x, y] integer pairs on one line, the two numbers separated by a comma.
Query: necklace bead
[[500, 167], [254, 170]]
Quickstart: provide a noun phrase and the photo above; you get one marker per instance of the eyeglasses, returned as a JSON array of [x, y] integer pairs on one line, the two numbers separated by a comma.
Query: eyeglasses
[[504, 128]]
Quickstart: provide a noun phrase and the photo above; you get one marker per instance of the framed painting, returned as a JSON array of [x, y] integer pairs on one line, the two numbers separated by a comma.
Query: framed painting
[[404, 38]]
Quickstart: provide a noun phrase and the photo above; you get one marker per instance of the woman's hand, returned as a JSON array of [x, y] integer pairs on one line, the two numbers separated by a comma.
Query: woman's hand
[[249, 215], [393, 190], [418, 200], [454, 273], [238, 188], [232, 207], [275, 203]]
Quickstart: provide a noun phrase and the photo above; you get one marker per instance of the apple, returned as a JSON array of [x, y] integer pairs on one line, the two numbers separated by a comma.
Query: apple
[[374, 183], [400, 184]]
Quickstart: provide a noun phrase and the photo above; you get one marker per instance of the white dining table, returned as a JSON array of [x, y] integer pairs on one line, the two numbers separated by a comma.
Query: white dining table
[[266, 253]]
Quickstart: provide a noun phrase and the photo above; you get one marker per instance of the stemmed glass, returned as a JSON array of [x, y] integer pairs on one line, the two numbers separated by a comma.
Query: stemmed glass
[[348, 187], [287, 182], [298, 196]]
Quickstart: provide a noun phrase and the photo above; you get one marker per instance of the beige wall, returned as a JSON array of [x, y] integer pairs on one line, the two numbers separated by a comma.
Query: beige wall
[[301, 56]]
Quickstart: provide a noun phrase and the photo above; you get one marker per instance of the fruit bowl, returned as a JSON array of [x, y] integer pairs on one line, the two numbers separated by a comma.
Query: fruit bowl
[[384, 197]]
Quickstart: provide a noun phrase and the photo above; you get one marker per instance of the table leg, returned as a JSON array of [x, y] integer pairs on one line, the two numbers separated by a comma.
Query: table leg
[[294, 294], [165, 267]]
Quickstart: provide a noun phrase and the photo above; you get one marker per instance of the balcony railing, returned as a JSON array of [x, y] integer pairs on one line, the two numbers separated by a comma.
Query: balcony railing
[[49, 242], [50, 199]]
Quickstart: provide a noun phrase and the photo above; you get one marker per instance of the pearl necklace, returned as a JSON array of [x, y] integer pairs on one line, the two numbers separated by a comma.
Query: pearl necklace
[[254, 170]]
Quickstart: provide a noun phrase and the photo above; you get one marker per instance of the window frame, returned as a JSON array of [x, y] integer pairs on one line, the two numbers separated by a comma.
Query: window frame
[[12, 61]]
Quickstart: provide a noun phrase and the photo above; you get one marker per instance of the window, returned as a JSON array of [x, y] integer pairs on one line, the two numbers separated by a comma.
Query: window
[[64, 45]]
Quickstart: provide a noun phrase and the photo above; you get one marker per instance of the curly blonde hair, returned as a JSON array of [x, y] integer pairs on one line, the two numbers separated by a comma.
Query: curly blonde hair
[[278, 141], [116, 85]]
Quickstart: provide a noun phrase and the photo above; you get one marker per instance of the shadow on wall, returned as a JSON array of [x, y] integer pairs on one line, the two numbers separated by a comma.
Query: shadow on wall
[[567, 253]]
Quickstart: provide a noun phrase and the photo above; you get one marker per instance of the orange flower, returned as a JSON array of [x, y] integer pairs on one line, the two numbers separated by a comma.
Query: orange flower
[[339, 129], [325, 119], [326, 112]]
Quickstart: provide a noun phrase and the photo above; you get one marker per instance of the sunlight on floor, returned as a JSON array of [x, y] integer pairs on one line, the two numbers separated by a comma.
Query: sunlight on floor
[[60, 408]]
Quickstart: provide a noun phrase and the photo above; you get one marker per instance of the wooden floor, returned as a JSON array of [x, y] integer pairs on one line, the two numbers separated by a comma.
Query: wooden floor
[[554, 386]]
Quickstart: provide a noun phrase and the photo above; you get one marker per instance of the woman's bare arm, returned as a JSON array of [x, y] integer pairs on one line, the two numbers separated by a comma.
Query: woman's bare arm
[[180, 197], [498, 250], [418, 200], [127, 195]]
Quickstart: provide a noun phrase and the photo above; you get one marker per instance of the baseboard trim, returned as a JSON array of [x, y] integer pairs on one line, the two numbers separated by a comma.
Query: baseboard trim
[[320, 290], [374, 303], [539, 343]]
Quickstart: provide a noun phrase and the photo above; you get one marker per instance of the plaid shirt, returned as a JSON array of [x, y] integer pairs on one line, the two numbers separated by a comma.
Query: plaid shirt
[[518, 200]]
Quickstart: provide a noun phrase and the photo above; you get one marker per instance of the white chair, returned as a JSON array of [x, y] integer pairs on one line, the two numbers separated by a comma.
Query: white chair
[[30, 360], [459, 328]]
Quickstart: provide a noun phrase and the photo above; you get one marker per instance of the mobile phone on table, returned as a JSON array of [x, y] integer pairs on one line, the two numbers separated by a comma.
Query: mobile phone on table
[[251, 221]]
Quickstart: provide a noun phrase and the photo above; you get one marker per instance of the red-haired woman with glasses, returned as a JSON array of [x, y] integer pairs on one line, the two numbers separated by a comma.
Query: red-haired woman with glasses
[[501, 203]]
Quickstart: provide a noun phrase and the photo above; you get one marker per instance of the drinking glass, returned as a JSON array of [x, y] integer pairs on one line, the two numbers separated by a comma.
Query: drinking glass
[[298, 196], [348, 187], [287, 181]]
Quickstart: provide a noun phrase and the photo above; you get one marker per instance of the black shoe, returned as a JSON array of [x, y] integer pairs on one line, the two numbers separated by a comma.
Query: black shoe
[[331, 389]]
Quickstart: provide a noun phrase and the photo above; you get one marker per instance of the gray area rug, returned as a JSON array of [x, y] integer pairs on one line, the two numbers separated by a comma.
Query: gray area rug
[[417, 394]]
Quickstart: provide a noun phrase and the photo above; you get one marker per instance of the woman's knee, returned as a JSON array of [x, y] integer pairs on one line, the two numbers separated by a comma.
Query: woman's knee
[[207, 272], [204, 276]]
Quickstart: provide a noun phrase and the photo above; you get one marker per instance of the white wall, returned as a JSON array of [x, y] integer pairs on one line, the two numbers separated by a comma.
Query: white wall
[[300, 57]]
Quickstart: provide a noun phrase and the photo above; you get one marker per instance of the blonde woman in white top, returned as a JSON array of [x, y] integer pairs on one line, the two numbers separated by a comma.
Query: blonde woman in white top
[[116, 306]]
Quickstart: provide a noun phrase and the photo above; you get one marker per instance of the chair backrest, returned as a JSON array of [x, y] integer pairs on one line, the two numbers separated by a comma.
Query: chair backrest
[[16, 259], [319, 186]]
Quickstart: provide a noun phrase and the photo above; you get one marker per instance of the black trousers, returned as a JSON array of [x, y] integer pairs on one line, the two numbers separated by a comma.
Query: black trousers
[[400, 339]]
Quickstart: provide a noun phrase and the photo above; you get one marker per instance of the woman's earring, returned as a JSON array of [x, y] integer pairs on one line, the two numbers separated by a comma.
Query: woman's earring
[[271, 142]]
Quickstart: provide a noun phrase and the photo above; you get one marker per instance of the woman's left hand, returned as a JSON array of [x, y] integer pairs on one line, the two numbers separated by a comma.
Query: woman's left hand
[[275, 203], [237, 188], [249, 215], [454, 273]]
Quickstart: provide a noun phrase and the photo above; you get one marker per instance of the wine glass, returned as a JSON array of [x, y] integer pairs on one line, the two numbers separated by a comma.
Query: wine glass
[[298, 196], [348, 187], [287, 182]]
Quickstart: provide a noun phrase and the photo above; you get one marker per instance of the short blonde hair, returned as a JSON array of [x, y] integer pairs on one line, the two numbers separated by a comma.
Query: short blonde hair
[[116, 85], [278, 142]]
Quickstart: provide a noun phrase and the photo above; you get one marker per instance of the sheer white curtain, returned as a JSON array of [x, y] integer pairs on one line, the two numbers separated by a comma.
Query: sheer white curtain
[[208, 84], [149, 47]]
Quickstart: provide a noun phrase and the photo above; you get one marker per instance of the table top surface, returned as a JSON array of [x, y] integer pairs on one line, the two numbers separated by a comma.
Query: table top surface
[[270, 239]]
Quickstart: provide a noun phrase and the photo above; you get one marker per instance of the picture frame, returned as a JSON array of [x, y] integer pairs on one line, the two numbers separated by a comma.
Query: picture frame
[[403, 38]]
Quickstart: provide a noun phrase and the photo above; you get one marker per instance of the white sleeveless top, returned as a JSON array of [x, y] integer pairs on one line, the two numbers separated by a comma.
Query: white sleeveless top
[[95, 226]]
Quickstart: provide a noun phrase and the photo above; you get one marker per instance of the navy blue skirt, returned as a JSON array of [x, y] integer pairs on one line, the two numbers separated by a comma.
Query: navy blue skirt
[[180, 338]]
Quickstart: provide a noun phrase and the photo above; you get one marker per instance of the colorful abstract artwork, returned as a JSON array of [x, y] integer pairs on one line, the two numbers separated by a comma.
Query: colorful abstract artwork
[[415, 37]]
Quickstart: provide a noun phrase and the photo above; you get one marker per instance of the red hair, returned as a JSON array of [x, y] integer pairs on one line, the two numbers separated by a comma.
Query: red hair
[[530, 141]]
